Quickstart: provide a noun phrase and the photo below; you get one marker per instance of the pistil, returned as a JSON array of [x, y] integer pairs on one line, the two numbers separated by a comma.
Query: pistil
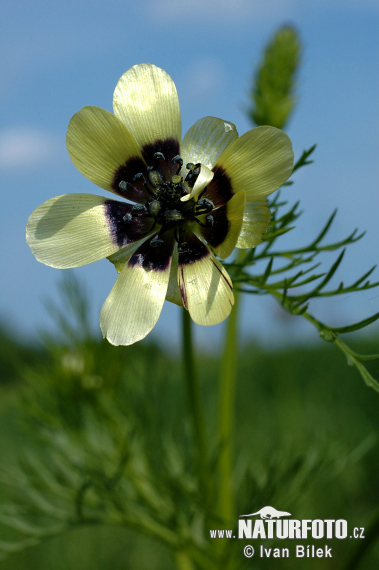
[[165, 206]]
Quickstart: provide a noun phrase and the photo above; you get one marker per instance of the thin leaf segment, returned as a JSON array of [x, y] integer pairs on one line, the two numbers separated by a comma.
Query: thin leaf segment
[[182, 204]]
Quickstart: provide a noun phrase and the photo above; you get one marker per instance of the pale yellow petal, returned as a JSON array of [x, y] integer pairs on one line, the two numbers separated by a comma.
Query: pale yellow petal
[[207, 289], [70, 231], [133, 306], [206, 140], [258, 162], [146, 101], [203, 179], [256, 220], [99, 144]]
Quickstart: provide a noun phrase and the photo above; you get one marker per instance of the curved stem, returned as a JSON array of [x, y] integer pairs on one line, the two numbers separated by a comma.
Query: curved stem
[[194, 398]]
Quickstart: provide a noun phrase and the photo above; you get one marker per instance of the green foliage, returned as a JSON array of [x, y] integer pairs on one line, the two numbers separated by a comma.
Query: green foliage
[[298, 270], [125, 458], [274, 84], [14, 355], [80, 366], [273, 93]]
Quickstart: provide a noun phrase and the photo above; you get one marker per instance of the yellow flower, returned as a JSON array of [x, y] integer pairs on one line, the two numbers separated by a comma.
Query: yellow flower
[[185, 201]]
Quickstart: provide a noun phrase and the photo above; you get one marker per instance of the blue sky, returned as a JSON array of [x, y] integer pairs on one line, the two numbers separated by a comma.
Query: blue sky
[[60, 56]]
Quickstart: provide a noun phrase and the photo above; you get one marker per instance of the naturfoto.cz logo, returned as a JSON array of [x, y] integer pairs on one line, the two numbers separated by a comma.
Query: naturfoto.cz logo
[[275, 524]]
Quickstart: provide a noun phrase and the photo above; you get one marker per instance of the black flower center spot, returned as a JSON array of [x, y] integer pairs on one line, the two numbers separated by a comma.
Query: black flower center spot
[[164, 205]]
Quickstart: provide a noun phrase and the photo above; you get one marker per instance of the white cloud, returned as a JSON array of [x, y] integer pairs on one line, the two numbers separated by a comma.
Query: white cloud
[[203, 78], [253, 11], [22, 147], [219, 10]]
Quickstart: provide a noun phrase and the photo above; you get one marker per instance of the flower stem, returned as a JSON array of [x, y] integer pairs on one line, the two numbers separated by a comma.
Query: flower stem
[[228, 377], [183, 561], [226, 416], [362, 546], [194, 398]]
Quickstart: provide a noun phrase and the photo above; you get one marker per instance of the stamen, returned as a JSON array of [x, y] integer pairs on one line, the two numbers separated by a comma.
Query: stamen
[[139, 177], [154, 208], [176, 179], [156, 241], [155, 177], [164, 206], [204, 205], [179, 161], [194, 171], [138, 208], [183, 247], [209, 222], [183, 189], [127, 218], [123, 185]]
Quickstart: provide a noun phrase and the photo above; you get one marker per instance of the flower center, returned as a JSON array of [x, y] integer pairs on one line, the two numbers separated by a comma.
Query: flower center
[[165, 190]]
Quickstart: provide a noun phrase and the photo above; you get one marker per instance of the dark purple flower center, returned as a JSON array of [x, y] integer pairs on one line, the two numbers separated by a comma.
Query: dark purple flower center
[[164, 191]]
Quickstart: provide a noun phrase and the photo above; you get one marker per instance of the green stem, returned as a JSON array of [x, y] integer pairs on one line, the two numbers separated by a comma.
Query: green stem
[[362, 547], [194, 397], [183, 561], [226, 417]]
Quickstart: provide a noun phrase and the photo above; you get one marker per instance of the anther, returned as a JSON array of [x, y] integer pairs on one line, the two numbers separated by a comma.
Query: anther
[[127, 218], [154, 208], [179, 161], [139, 177], [176, 179], [204, 205], [138, 208], [155, 177], [123, 185], [159, 156], [190, 166], [194, 172], [156, 242], [209, 222], [184, 248]]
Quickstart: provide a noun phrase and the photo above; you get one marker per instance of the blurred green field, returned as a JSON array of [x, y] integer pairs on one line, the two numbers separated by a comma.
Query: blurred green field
[[306, 424]]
